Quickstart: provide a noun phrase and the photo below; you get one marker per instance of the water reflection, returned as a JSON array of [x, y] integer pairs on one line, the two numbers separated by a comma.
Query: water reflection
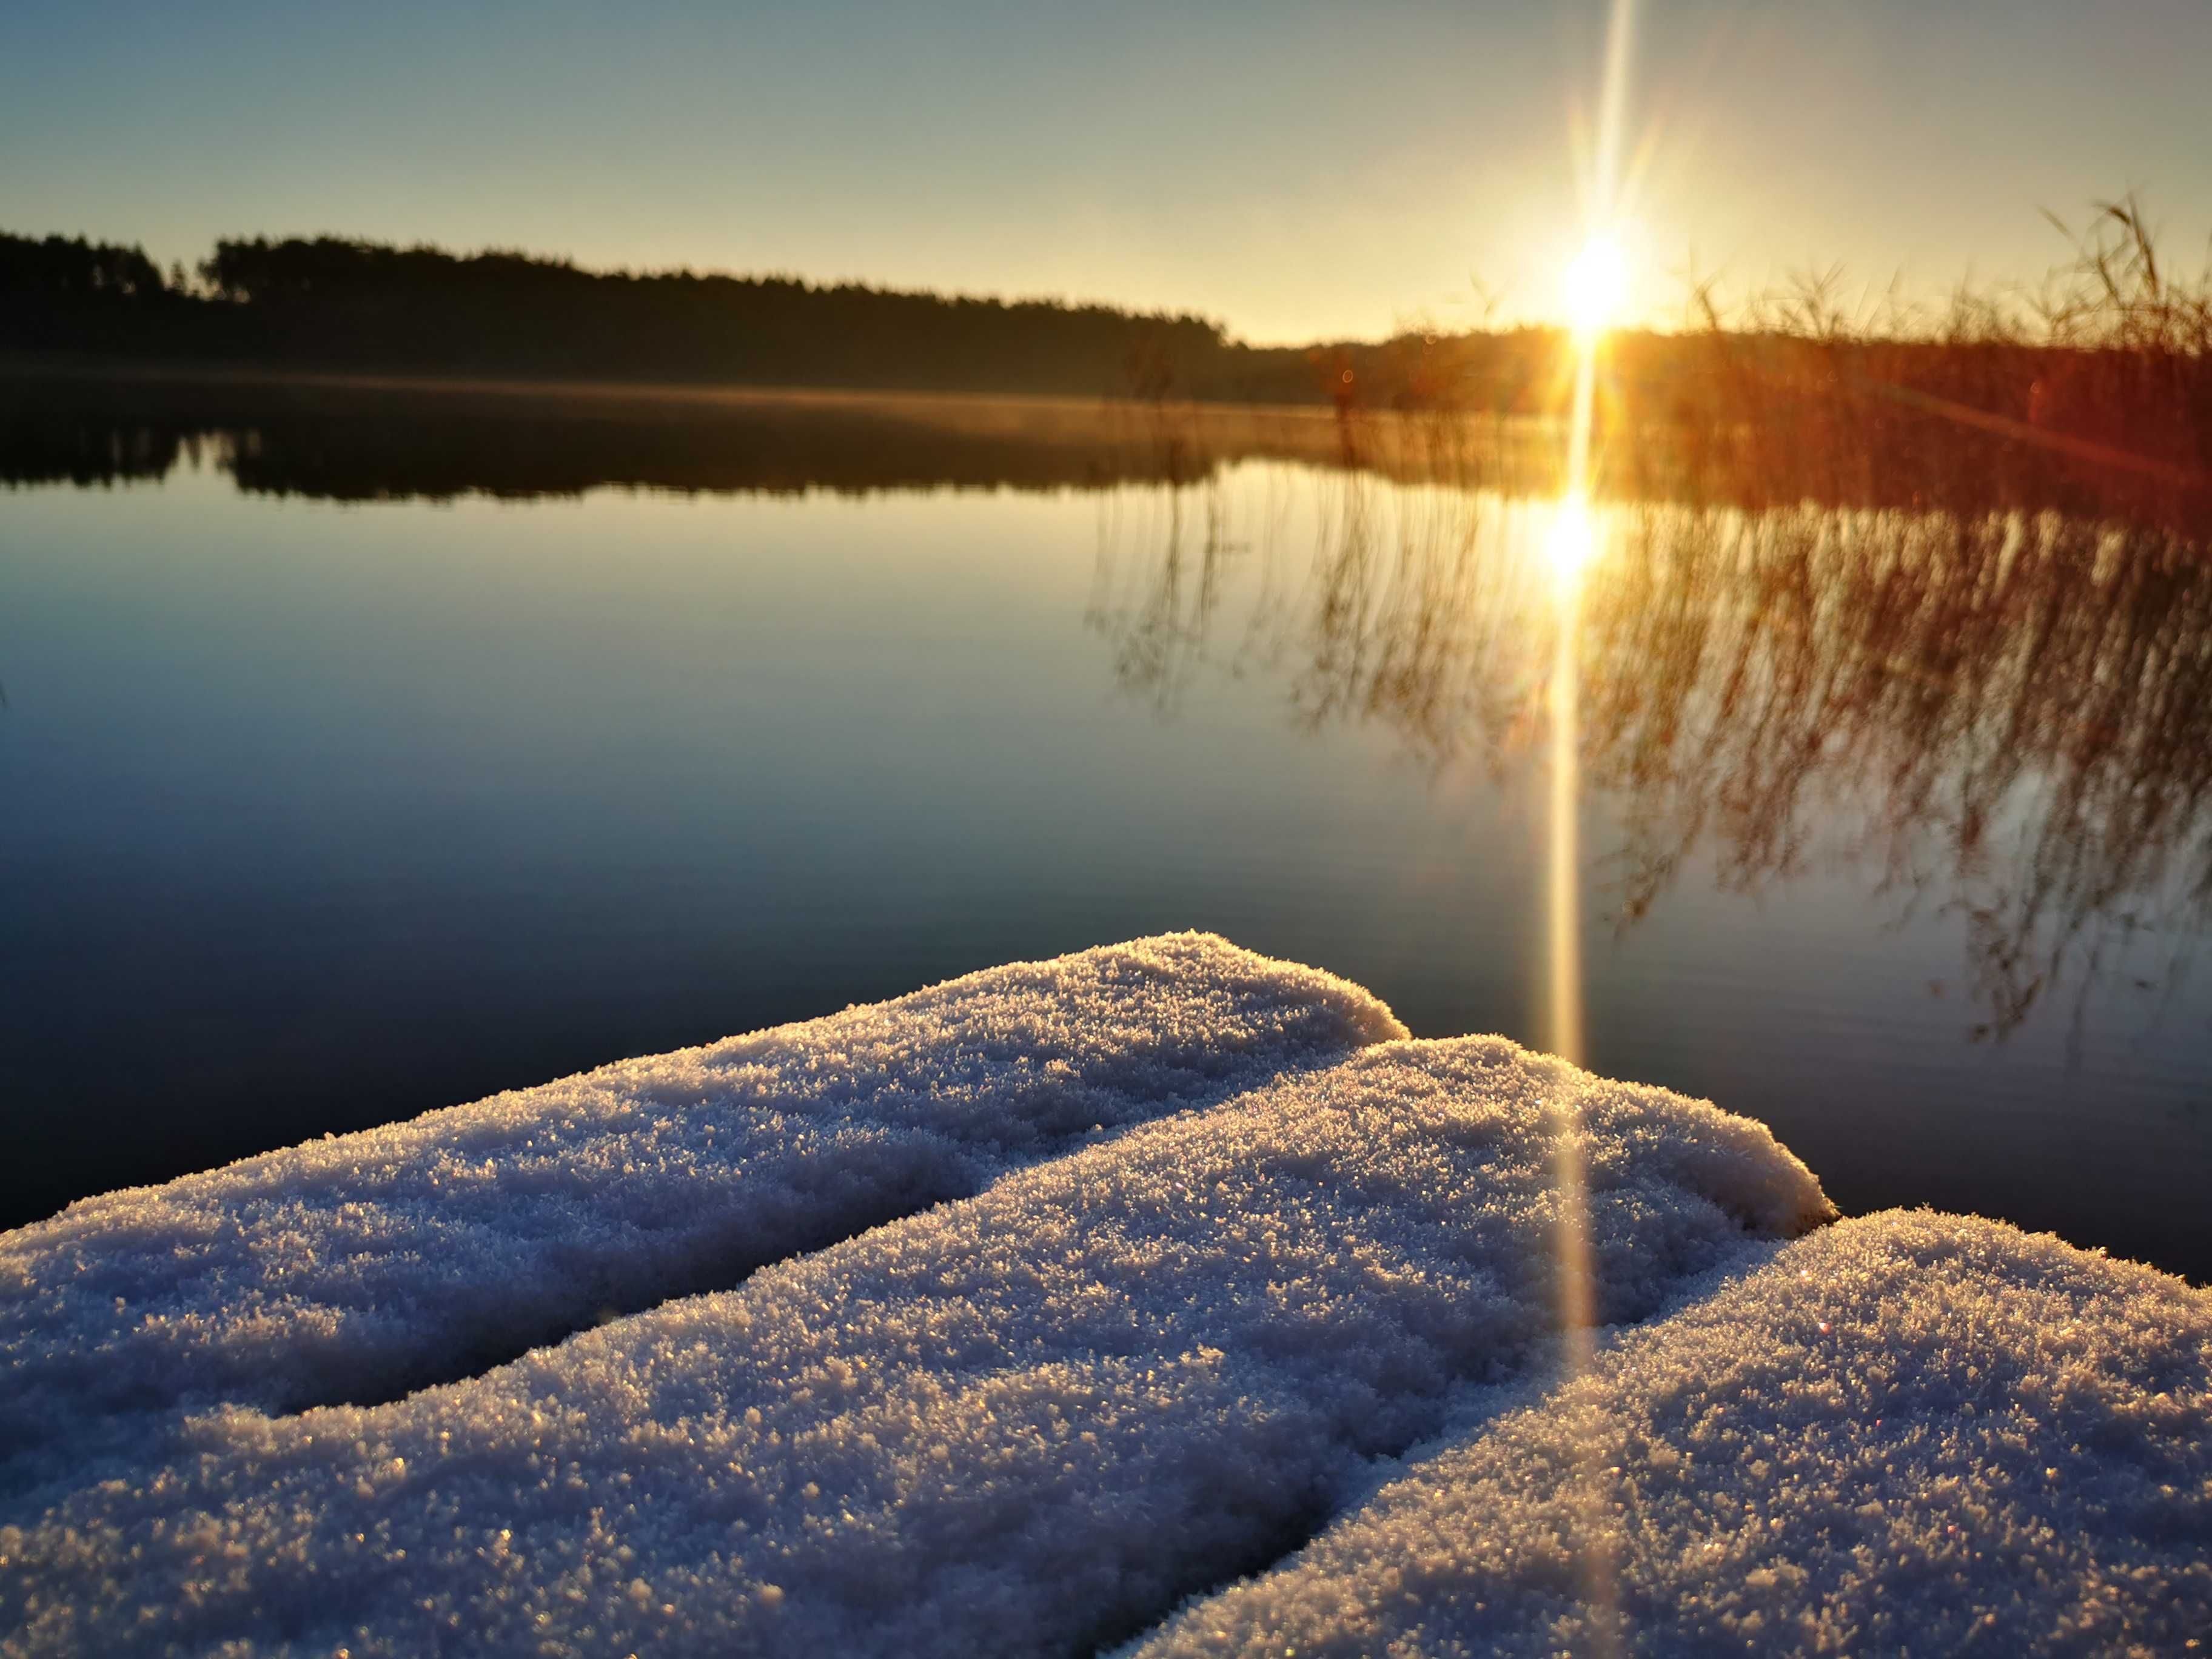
[[289, 786], [359, 440], [1910, 650], [2002, 716]]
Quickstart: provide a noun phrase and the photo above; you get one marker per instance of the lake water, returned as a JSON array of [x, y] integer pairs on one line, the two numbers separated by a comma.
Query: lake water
[[353, 767]]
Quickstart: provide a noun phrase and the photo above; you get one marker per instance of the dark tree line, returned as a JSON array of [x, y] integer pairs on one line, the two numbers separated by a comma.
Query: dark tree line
[[65, 294], [331, 303], [70, 268], [508, 312], [2120, 378]]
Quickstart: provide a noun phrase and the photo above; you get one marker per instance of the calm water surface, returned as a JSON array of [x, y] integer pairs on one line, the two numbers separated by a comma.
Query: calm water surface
[[320, 812]]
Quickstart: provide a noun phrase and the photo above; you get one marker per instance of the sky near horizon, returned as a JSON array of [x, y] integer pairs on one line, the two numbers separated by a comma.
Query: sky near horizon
[[1294, 170]]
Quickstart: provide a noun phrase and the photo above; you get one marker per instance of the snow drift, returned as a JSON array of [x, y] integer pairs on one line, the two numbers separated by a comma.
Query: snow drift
[[356, 1268], [1911, 1433], [1214, 1266]]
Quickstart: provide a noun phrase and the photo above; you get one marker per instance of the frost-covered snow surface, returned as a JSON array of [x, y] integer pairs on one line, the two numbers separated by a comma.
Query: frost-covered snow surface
[[1214, 1265], [354, 1268], [1910, 1433]]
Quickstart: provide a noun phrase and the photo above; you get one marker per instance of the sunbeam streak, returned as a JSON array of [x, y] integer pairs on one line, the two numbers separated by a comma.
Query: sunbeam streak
[[1596, 284]]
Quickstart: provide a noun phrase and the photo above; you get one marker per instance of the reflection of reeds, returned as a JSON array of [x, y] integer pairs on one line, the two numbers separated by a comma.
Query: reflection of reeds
[[2003, 713], [2010, 710]]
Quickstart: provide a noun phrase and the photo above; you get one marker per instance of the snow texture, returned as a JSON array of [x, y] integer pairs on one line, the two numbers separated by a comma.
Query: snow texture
[[358, 1267], [1030, 1421], [1911, 1433], [1292, 1281]]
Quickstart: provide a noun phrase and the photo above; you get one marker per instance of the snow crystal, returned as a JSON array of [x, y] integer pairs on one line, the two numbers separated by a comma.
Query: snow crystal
[[1029, 1421], [354, 1268], [1219, 1273], [1910, 1433]]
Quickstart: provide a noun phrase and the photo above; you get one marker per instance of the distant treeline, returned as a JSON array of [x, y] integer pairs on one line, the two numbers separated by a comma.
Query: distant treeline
[[327, 303], [2112, 373]]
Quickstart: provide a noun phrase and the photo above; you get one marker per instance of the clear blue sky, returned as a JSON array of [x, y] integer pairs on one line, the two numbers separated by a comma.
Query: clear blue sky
[[1296, 170]]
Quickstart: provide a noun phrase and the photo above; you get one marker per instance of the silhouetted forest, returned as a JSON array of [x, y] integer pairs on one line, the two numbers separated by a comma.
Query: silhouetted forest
[[2110, 375], [327, 303], [332, 304]]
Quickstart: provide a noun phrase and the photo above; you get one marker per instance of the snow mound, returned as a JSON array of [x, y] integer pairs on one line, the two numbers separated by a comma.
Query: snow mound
[[1911, 1433], [1033, 1420], [1214, 1260], [356, 1268]]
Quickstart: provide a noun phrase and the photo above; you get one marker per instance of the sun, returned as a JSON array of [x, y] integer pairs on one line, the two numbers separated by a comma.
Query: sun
[[1596, 283]]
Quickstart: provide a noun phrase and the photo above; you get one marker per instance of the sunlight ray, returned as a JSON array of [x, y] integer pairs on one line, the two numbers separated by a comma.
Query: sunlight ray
[[1594, 285]]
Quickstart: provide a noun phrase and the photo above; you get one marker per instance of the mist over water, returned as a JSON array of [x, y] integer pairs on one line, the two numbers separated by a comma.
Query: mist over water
[[361, 760]]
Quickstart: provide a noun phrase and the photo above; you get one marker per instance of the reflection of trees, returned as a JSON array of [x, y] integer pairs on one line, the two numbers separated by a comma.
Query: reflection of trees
[[361, 445], [87, 452], [1995, 707], [2004, 716], [353, 439]]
